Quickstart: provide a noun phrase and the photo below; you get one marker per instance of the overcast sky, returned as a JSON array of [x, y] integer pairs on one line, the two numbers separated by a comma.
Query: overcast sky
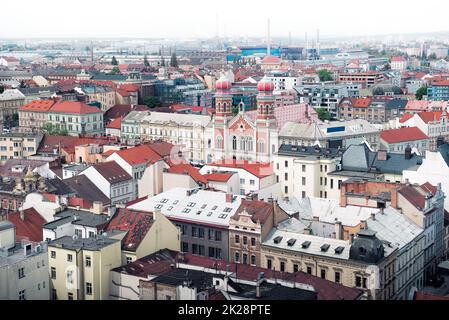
[[197, 18]]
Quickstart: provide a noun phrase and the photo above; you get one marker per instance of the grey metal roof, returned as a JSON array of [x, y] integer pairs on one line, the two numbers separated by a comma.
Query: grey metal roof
[[359, 158], [444, 151], [293, 150], [5, 225], [93, 244], [83, 218]]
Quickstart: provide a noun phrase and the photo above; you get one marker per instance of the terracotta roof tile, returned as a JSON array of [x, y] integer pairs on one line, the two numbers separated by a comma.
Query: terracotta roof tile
[[74, 107], [259, 169], [30, 227], [139, 155], [402, 135]]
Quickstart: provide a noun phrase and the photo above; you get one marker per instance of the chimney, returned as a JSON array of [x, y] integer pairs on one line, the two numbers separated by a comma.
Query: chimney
[[408, 153], [373, 216], [78, 207], [363, 224], [381, 210], [22, 215], [338, 230], [229, 198], [260, 280], [351, 238], [307, 231]]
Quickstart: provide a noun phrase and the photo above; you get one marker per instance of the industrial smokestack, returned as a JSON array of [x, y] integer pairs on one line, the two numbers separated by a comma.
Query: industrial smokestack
[[318, 42], [268, 39], [306, 41]]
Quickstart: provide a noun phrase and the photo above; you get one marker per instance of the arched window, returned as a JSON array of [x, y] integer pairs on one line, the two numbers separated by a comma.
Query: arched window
[[234, 143], [219, 142], [242, 143], [261, 145], [249, 143], [267, 108], [209, 143], [225, 106]]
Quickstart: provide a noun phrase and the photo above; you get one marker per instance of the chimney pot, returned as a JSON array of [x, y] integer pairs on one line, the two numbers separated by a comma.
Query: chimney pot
[[351, 238]]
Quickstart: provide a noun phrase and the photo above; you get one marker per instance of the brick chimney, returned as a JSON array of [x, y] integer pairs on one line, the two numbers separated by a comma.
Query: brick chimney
[[229, 198], [382, 155], [338, 230]]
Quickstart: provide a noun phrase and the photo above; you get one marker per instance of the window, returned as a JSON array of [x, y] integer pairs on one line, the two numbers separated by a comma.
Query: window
[[285, 189], [184, 247], [269, 264], [295, 267], [54, 295], [70, 276], [22, 295], [253, 242], [245, 240], [303, 181], [253, 260], [194, 248], [91, 234], [323, 273], [89, 288], [332, 183], [237, 238], [201, 250], [217, 235], [53, 254], [242, 181], [194, 232], [303, 168], [53, 273], [286, 164], [210, 234], [69, 258], [21, 272], [186, 210], [191, 204], [286, 176], [88, 261], [129, 260], [252, 182], [337, 277], [282, 266], [309, 270], [69, 296], [201, 233], [360, 282], [237, 257]]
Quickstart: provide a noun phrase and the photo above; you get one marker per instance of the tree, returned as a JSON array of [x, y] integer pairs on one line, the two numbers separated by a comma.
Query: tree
[[173, 60], [145, 61], [325, 75], [432, 56], [421, 92], [151, 102], [235, 110], [115, 70], [114, 61], [51, 130], [323, 114]]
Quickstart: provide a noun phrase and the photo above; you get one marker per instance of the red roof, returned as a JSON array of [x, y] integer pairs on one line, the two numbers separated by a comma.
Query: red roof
[[420, 295], [429, 188], [219, 176], [30, 227], [431, 116], [68, 143], [187, 168], [259, 169], [130, 87], [406, 117], [402, 135], [360, 102], [162, 148], [139, 155], [135, 223], [398, 59], [123, 93], [444, 83], [417, 199], [326, 290], [74, 107], [259, 210], [271, 59], [38, 105], [115, 124], [178, 107]]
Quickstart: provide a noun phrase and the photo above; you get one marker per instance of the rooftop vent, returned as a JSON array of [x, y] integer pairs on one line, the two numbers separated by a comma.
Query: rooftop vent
[[306, 244], [339, 250], [325, 247], [277, 240], [291, 242]]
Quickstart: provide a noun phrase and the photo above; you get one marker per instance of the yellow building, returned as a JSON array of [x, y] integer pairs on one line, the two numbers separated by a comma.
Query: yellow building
[[18, 145], [80, 268], [144, 233]]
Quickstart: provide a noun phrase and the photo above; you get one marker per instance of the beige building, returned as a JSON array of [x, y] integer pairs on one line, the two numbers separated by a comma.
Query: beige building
[[34, 115], [185, 130], [80, 268], [10, 101], [145, 233], [18, 146], [303, 171]]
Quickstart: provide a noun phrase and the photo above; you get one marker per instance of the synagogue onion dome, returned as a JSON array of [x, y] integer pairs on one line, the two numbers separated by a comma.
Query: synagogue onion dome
[[223, 84], [265, 85]]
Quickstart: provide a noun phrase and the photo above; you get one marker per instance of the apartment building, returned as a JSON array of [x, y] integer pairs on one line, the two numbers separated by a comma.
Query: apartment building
[[80, 267], [398, 140], [34, 115], [366, 79], [10, 101], [18, 145], [76, 117], [303, 171], [23, 266]]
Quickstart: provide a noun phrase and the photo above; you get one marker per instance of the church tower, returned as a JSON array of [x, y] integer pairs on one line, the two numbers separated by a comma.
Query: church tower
[[265, 103], [223, 101]]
